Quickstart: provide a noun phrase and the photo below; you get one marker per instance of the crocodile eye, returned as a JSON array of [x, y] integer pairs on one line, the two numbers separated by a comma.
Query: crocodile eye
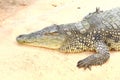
[[52, 33]]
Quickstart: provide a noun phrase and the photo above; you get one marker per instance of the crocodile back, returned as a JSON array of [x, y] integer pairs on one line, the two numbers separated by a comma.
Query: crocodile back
[[109, 19]]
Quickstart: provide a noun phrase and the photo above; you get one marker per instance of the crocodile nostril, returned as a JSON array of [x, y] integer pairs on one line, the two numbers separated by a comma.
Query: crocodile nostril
[[20, 36]]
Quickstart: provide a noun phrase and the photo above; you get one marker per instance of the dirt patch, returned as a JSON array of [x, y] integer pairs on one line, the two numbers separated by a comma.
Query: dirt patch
[[10, 7]]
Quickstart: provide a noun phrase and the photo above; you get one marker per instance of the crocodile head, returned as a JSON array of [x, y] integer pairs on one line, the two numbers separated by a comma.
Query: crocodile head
[[49, 37]]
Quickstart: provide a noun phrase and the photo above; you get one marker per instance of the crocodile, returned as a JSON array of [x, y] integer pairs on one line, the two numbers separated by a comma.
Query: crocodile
[[98, 31]]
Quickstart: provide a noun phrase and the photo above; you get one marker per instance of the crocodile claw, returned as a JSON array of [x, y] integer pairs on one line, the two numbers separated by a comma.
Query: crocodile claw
[[83, 64]]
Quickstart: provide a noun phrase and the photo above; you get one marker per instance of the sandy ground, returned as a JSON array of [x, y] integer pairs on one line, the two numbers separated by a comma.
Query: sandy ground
[[19, 62]]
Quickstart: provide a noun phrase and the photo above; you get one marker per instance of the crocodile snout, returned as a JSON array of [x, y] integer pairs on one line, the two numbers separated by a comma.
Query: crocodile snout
[[20, 38]]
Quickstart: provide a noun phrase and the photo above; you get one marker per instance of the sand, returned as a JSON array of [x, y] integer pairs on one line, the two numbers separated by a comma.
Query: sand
[[19, 62]]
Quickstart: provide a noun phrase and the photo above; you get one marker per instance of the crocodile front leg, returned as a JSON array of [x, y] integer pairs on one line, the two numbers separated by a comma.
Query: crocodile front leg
[[96, 59]]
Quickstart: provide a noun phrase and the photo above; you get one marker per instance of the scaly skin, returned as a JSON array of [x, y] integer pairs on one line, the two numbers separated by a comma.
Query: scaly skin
[[91, 34]]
